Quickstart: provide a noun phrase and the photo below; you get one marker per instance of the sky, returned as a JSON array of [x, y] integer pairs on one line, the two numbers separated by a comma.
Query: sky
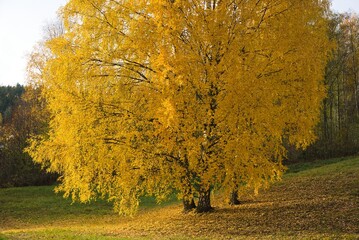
[[22, 23], [21, 27]]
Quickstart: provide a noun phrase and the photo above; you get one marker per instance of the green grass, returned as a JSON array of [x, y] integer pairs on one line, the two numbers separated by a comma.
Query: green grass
[[57, 234], [315, 200], [322, 166], [41, 205]]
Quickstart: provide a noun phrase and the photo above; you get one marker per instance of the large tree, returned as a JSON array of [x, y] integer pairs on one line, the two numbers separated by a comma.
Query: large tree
[[150, 96]]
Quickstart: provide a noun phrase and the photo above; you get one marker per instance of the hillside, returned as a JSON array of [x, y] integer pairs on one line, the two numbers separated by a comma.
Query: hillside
[[315, 200]]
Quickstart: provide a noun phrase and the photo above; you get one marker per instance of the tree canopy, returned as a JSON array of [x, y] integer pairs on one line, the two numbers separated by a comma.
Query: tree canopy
[[147, 97]]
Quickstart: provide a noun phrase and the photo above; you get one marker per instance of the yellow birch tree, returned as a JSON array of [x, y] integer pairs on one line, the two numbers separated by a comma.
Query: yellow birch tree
[[151, 96]]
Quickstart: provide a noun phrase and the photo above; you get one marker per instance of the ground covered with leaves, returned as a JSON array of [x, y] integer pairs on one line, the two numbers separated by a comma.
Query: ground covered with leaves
[[315, 200]]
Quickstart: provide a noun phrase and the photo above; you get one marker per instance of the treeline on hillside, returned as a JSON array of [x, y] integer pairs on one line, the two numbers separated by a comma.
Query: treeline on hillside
[[22, 112], [338, 131], [21, 115], [8, 97]]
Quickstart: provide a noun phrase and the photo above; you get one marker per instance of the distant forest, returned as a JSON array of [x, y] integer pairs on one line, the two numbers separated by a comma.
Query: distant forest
[[20, 117], [9, 96]]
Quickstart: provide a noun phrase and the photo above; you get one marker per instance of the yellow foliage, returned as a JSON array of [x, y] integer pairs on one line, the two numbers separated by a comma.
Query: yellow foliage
[[147, 96]]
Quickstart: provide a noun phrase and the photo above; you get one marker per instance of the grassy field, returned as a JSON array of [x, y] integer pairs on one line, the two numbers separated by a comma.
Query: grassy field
[[316, 200]]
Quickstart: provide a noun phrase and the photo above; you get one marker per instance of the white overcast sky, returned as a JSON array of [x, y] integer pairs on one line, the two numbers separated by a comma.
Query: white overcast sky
[[21, 24]]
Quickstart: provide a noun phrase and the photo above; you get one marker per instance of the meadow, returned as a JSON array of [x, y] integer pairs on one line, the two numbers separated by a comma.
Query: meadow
[[315, 200]]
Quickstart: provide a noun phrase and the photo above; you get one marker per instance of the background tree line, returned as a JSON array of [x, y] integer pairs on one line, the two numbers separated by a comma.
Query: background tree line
[[338, 130], [22, 113]]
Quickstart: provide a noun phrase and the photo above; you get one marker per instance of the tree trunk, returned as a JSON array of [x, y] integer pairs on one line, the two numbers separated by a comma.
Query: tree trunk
[[188, 202], [188, 205], [234, 198], [204, 202]]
